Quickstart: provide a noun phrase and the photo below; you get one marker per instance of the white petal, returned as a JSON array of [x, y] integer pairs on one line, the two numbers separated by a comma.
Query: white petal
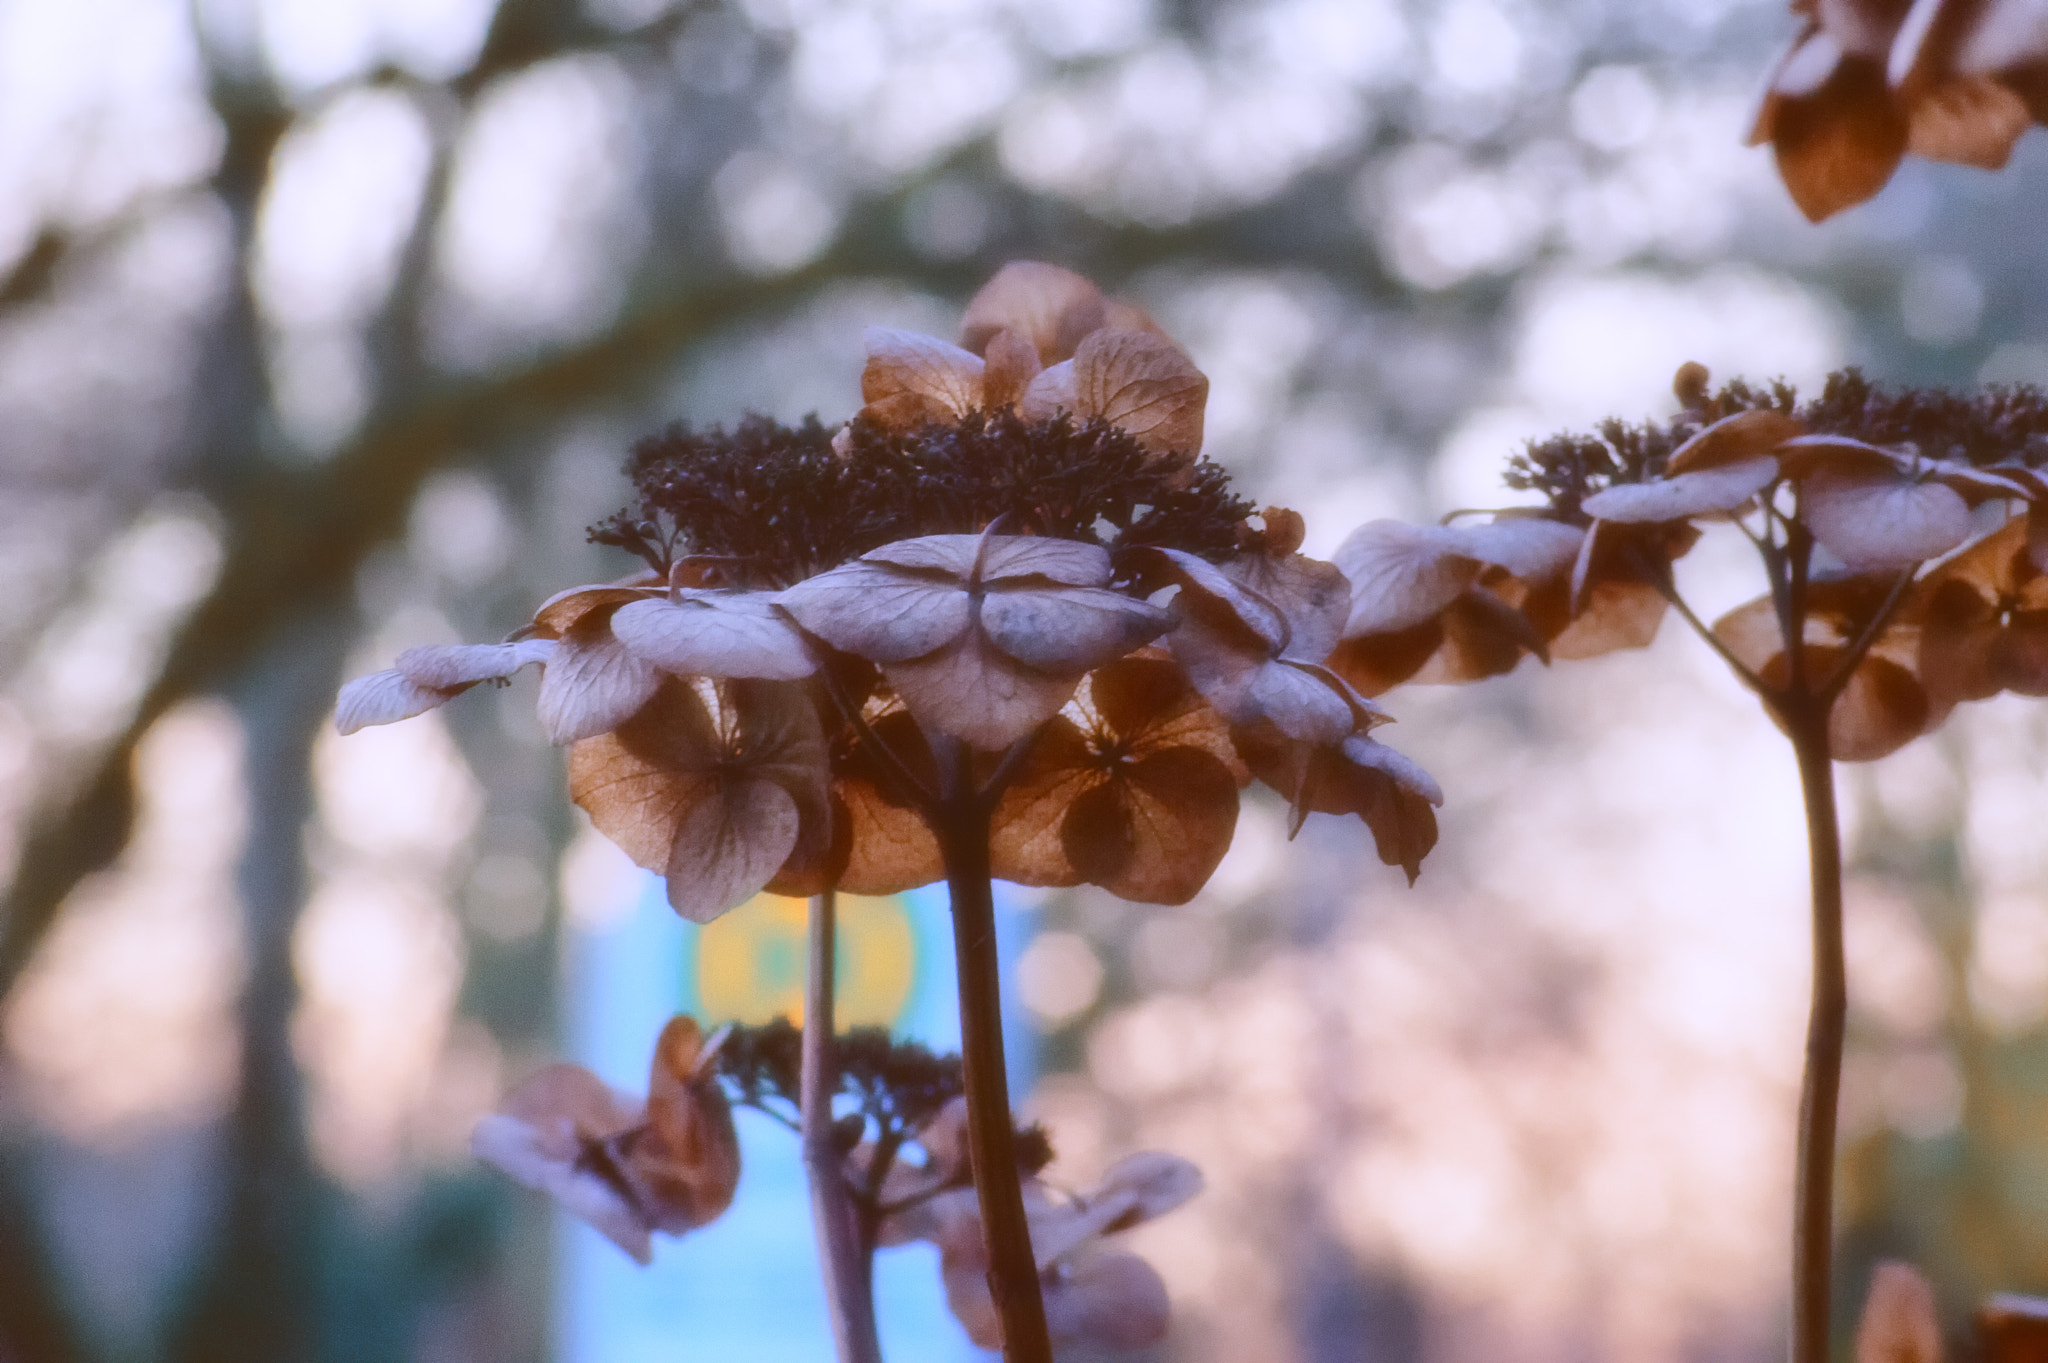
[[1069, 629], [1407, 773], [1530, 547], [1873, 523], [1401, 574], [1723, 488], [385, 698], [715, 634], [1050, 393], [593, 684], [467, 664], [877, 612]]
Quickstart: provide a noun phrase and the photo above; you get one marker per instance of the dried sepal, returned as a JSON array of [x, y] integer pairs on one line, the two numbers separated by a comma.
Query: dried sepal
[[1877, 521], [1134, 380], [1883, 707], [1983, 618], [1394, 796], [1899, 1322], [1716, 490], [629, 1168], [426, 678], [1733, 439], [1836, 131], [1050, 307], [699, 633], [1401, 575], [912, 378], [882, 844], [983, 637], [718, 802], [1134, 789]]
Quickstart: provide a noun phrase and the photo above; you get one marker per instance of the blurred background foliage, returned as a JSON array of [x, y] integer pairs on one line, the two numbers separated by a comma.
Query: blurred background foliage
[[324, 325]]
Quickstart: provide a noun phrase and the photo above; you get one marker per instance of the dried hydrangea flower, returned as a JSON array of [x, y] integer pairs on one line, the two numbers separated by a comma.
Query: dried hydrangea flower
[[1983, 620], [629, 1167], [984, 636]]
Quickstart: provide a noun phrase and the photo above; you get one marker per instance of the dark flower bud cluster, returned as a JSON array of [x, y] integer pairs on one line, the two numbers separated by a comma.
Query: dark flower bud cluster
[[774, 504]]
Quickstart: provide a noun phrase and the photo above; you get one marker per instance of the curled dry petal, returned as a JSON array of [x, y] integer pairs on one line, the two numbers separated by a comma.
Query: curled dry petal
[[425, 678], [1733, 440], [1011, 363], [1051, 308], [1874, 522], [911, 379], [715, 634], [984, 637], [717, 804], [1392, 794], [1134, 380], [1899, 1323], [629, 1169], [1134, 788], [1713, 490]]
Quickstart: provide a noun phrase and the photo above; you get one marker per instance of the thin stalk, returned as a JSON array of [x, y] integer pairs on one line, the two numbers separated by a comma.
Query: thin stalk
[[961, 822], [1821, 1090], [848, 1268]]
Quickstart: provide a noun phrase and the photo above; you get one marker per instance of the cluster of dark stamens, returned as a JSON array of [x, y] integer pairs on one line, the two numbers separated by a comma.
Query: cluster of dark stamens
[[767, 505]]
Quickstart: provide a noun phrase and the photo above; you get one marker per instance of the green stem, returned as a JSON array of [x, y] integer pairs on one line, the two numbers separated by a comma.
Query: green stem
[[848, 1266], [1821, 1090], [961, 822]]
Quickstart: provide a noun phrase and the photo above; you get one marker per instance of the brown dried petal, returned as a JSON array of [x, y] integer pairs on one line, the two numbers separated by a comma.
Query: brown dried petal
[[565, 608], [1050, 307], [715, 634], [1143, 384], [1716, 489], [1012, 363], [1733, 440], [1615, 615], [593, 683], [686, 1166], [1838, 144], [1899, 1324], [1157, 832], [1969, 121], [1877, 522], [912, 378], [1402, 575]]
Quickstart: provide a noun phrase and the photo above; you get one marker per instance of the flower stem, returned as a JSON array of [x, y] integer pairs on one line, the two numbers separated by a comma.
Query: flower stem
[[961, 823], [848, 1267], [1820, 1092]]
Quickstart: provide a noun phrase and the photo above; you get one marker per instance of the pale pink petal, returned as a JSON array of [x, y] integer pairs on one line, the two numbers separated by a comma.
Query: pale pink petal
[[1153, 1182], [385, 698], [978, 694], [881, 614], [1300, 703], [1069, 629], [1530, 547], [1313, 596], [1722, 488], [593, 684], [1968, 121], [715, 634], [467, 664], [1876, 522], [1110, 1299], [1401, 574], [1067, 561], [1900, 1323]]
